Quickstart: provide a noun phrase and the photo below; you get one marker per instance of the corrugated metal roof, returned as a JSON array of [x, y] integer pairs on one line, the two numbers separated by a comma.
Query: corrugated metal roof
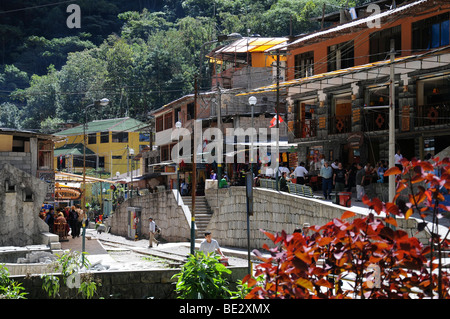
[[439, 61], [354, 23], [251, 44], [125, 124], [71, 149]]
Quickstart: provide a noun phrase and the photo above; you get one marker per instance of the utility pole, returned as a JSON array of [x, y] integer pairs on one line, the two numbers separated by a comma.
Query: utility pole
[[194, 172], [277, 151], [392, 122]]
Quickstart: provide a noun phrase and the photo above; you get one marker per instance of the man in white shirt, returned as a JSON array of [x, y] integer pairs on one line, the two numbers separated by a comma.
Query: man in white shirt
[[152, 231], [398, 157], [300, 172], [210, 245]]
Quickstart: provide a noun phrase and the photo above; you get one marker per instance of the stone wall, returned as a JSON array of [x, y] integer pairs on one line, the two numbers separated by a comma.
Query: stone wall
[[19, 207], [20, 160], [123, 284], [173, 219], [273, 211]]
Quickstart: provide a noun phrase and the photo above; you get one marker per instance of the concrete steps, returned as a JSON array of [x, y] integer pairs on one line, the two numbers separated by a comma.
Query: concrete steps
[[203, 213]]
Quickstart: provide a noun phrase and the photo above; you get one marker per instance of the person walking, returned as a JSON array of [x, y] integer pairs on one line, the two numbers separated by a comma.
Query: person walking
[[326, 172], [210, 245], [359, 181], [340, 178], [300, 172], [283, 183], [151, 233]]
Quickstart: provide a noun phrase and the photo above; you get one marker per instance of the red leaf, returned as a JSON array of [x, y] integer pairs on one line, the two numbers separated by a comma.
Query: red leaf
[[391, 221], [393, 171], [347, 214], [270, 235], [408, 213], [426, 166]]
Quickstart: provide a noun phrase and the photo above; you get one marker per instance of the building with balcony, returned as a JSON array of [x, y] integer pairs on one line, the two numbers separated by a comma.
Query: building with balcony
[[238, 66], [338, 80]]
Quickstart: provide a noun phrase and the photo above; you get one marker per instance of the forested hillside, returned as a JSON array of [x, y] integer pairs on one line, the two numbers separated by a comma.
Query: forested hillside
[[140, 54]]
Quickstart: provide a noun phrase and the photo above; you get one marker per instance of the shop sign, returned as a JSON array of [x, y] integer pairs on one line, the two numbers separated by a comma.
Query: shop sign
[[67, 193], [355, 139]]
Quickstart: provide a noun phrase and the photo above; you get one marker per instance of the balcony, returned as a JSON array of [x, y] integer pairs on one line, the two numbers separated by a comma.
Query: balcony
[[340, 124], [432, 114]]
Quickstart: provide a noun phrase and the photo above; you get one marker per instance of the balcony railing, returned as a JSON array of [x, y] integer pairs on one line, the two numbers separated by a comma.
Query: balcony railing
[[375, 121], [340, 124], [433, 114]]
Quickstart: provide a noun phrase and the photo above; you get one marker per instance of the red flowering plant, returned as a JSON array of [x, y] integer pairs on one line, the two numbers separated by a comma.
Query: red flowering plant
[[364, 257]]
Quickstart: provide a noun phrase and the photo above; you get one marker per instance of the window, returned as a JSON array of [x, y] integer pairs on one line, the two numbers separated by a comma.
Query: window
[[165, 156], [144, 137], [380, 43], [19, 144], [104, 137], [120, 137], [304, 64], [190, 111], [431, 33], [159, 123], [45, 156], [168, 120], [340, 56], [92, 138]]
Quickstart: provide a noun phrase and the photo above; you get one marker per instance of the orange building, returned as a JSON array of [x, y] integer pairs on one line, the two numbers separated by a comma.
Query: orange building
[[337, 86]]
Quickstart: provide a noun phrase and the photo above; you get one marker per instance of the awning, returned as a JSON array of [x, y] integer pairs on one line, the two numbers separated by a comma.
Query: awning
[[403, 65], [74, 178]]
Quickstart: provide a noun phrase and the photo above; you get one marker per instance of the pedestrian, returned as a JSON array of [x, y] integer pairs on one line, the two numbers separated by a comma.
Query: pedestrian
[[335, 164], [368, 179], [81, 220], [213, 175], [359, 180], [151, 233], [351, 177], [72, 220], [223, 182], [326, 172], [300, 172], [210, 245], [283, 183], [340, 178], [184, 188], [50, 219], [381, 169], [398, 158]]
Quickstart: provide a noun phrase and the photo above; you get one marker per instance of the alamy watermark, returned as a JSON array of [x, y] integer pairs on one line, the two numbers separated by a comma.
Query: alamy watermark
[[74, 19], [209, 144]]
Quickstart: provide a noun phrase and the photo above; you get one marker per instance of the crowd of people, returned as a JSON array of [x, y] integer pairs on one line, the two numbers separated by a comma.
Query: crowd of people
[[72, 217], [357, 177]]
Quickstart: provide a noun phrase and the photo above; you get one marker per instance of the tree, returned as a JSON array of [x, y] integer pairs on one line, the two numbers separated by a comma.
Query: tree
[[343, 258]]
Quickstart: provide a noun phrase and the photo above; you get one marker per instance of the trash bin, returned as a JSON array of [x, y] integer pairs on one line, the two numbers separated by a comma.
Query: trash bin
[[344, 199]]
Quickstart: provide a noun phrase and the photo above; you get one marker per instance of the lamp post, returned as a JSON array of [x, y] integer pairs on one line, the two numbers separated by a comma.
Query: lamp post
[[198, 79], [178, 126], [102, 102], [252, 101]]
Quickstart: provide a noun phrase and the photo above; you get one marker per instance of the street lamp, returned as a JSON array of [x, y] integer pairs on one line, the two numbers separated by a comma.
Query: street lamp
[[102, 102], [252, 101], [178, 126], [198, 78]]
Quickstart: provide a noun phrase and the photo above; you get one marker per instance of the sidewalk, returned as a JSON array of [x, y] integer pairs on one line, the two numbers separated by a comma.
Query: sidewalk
[[97, 246]]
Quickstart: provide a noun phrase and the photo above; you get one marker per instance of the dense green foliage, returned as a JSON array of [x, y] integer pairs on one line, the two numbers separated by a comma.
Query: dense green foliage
[[203, 277], [138, 54]]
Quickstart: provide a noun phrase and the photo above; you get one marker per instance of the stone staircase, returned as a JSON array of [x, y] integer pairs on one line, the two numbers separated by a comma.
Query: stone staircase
[[203, 213]]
